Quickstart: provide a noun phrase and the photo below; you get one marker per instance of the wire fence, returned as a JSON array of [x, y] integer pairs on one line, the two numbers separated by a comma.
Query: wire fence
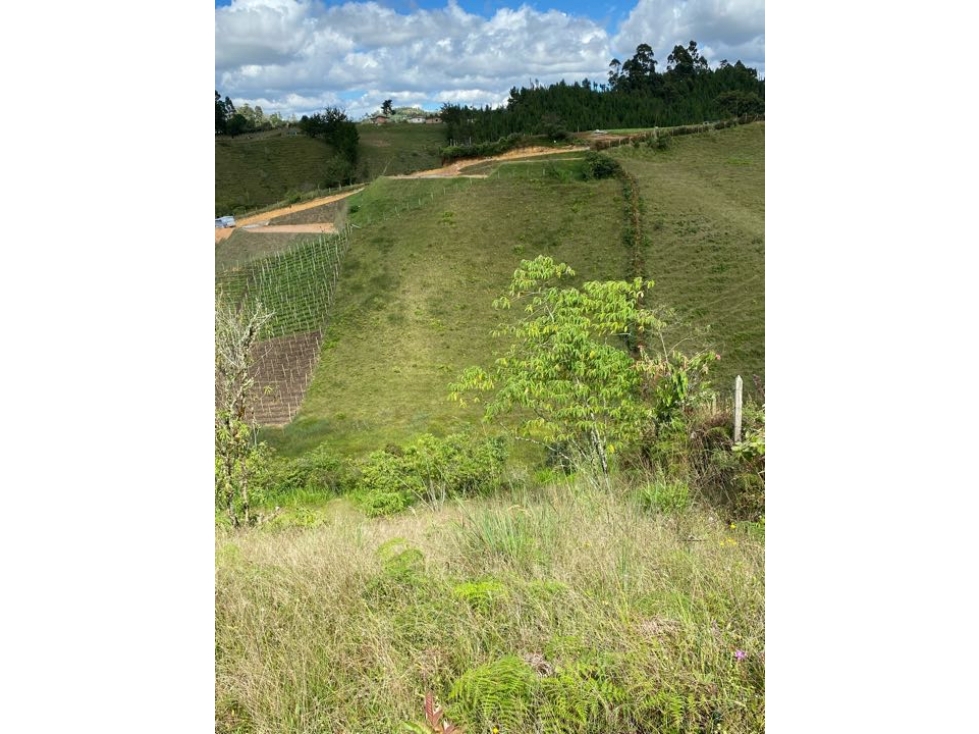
[[298, 286]]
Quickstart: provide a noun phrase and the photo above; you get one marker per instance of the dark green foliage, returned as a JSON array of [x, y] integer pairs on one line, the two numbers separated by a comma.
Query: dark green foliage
[[320, 471], [600, 165], [738, 102], [660, 142], [236, 125], [697, 449], [224, 110], [637, 95], [333, 127]]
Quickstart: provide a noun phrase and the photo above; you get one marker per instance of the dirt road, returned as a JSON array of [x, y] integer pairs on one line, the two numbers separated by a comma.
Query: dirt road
[[260, 222], [459, 168]]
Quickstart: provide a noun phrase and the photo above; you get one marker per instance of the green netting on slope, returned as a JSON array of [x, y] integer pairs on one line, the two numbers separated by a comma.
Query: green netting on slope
[[297, 285]]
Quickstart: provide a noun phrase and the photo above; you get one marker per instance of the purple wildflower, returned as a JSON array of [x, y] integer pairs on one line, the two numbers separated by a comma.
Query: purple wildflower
[[740, 655]]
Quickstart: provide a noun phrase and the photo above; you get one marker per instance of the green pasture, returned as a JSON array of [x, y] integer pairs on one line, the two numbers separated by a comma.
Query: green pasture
[[413, 306], [428, 256], [704, 216]]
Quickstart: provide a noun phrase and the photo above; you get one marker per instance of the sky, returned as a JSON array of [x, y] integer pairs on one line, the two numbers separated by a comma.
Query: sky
[[295, 57]]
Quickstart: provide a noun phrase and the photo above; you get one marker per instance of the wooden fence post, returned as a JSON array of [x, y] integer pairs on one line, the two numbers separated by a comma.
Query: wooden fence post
[[738, 385]]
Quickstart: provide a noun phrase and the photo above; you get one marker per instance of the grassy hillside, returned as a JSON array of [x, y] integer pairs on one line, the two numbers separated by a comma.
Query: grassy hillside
[[400, 148], [428, 256], [516, 597], [254, 171], [704, 215], [257, 170], [413, 308]]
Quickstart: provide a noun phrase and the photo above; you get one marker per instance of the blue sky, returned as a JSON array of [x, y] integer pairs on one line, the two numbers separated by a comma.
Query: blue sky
[[294, 57]]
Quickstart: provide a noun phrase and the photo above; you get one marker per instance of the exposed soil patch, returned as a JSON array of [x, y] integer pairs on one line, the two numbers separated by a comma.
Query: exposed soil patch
[[267, 217], [322, 228], [315, 215], [282, 370], [459, 167]]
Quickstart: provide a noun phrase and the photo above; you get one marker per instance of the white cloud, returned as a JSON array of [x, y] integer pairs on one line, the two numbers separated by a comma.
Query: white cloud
[[723, 29], [264, 32], [303, 48], [302, 55]]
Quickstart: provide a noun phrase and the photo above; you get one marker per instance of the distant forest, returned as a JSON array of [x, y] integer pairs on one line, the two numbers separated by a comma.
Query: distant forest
[[635, 95]]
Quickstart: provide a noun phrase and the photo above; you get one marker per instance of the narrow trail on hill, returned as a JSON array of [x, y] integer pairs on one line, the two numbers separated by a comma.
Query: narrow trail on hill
[[458, 168], [261, 222]]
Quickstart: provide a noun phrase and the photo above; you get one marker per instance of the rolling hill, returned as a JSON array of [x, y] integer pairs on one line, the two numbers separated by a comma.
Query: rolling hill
[[427, 257]]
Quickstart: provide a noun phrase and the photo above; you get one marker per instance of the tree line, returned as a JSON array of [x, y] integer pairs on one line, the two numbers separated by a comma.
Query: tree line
[[333, 126], [634, 95], [231, 120]]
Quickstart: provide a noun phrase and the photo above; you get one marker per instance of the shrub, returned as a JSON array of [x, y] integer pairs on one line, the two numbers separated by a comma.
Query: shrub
[[432, 469], [320, 471], [698, 448], [599, 165], [378, 503], [498, 147], [386, 484], [457, 465]]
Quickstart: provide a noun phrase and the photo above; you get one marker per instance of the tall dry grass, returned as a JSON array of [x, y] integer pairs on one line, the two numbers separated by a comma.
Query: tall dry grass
[[654, 621]]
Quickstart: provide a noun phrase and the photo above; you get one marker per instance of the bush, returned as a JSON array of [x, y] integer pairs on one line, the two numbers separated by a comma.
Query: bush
[[698, 448], [662, 141], [457, 465], [599, 165], [378, 503], [432, 469], [320, 471]]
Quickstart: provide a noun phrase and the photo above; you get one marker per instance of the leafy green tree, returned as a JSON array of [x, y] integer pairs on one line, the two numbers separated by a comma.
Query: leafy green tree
[[237, 124], [687, 61], [639, 72], [388, 107], [333, 126], [614, 72], [568, 373]]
